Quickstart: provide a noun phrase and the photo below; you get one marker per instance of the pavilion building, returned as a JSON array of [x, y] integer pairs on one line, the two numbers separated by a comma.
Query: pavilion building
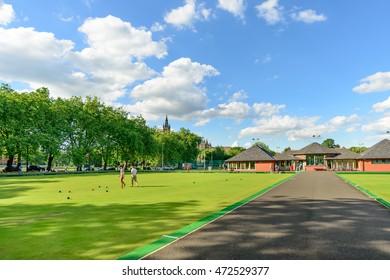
[[313, 157]]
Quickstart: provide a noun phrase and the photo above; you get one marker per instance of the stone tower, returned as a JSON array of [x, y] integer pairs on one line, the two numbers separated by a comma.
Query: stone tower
[[166, 126]]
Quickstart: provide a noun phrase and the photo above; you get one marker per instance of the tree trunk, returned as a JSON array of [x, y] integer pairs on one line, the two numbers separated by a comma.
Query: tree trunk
[[10, 162], [50, 162]]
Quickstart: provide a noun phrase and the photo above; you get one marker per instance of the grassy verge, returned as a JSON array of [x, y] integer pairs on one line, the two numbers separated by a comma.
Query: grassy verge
[[375, 185], [38, 221]]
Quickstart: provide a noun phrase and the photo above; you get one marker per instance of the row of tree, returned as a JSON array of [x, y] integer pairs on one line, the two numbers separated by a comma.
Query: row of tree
[[34, 126]]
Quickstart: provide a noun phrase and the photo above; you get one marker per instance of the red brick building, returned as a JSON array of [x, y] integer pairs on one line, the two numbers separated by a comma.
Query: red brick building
[[313, 157], [376, 158]]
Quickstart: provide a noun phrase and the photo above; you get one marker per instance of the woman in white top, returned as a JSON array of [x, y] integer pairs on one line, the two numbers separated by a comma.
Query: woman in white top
[[122, 176], [133, 176]]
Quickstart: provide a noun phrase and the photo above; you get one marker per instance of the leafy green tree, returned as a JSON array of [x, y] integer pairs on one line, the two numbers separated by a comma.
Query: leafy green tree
[[358, 150], [265, 147], [330, 143], [219, 153], [8, 122], [190, 142], [106, 142], [16, 122], [148, 149], [170, 145], [129, 140], [83, 128], [234, 151]]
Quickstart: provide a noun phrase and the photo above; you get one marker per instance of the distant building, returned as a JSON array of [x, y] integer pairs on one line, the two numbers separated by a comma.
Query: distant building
[[313, 157], [166, 125], [204, 145], [376, 158]]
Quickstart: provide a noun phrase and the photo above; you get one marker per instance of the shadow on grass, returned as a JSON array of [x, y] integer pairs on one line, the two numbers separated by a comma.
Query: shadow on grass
[[301, 229], [83, 232], [13, 188]]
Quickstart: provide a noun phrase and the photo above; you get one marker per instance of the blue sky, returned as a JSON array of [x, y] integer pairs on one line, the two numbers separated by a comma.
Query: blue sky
[[232, 71]]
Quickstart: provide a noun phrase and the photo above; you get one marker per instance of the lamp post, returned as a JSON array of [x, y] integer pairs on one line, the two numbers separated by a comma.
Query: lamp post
[[162, 157], [204, 160]]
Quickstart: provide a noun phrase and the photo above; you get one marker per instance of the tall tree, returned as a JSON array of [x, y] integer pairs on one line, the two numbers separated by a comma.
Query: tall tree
[[190, 143], [330, 143], [358, 150], [16, 126], [53, 127], [265, 147]]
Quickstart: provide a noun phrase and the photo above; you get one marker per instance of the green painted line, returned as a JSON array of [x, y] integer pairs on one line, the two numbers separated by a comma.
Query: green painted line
[[367, 192], [172, 237]]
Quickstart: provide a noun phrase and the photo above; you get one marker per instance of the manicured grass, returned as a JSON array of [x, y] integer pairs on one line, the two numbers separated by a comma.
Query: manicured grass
[[377, 184], [37, 221]]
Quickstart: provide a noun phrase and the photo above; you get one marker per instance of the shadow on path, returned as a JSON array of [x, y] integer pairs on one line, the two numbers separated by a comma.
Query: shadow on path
[[315, 215]]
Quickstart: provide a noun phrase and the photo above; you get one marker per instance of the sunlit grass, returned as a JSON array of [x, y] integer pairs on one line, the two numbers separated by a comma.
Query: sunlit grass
[[378, 184], [38, 221]]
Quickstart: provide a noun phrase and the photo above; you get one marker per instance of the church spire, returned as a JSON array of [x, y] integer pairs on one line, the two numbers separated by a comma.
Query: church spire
[[166, 126]]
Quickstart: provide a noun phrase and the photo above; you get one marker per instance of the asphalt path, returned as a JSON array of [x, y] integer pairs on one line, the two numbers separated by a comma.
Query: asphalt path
[[314, 215]]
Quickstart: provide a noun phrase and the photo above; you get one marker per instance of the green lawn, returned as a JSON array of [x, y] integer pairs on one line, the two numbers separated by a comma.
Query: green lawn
[[377, 184], [38, 221]]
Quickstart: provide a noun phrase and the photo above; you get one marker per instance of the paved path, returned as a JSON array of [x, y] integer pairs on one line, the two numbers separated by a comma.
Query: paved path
[[314, 215]]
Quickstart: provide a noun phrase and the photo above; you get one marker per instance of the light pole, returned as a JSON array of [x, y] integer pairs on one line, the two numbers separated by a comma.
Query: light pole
[[204, 160], [162, 157]]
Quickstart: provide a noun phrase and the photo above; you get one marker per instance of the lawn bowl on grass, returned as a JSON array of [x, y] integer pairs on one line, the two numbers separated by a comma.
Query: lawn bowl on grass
[[36, 222]]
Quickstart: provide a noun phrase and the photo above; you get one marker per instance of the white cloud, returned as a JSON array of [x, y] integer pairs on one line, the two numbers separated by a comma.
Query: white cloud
[[7, 14], [239, 95], [43, 63], [235, 7], [277, 125], [234, 144], [267, 109], [114, 57], [382, 106], [308, 16], [111, 62], [157, 27], [270, 11], [378, 82], [185, 16], [297, 128], [379, 126], [233, 110], [343, 120], [202, 122], [177, 91]]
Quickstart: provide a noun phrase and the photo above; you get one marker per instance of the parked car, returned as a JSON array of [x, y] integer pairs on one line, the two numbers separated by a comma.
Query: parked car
[[35, 168], [12, 169], [108, 168]]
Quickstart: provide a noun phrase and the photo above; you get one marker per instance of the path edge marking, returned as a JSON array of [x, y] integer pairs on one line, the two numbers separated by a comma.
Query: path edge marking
[[165, 240]]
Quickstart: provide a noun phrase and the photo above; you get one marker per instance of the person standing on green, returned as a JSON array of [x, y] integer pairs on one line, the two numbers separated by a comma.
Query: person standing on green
[[134, 176], [122, 176]]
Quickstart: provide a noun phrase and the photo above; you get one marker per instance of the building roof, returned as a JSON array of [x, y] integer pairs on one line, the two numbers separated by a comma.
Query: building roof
[[380, 150], [344, 153], [315, 149], [254, 153], [287, 155]]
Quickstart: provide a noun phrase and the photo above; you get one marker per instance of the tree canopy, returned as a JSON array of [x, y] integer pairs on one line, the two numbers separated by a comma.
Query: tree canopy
[[35, 127]]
